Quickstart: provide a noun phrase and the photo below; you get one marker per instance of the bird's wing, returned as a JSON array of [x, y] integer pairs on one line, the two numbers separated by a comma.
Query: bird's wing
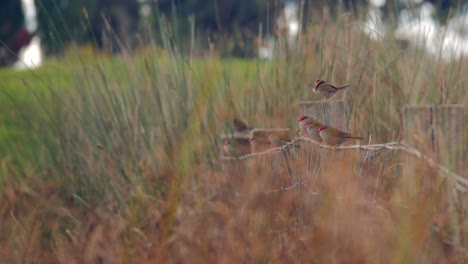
[[328, 88], [339, 133]]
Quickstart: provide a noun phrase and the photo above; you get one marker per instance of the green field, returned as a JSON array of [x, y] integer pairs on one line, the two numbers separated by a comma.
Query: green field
[[116, 159]]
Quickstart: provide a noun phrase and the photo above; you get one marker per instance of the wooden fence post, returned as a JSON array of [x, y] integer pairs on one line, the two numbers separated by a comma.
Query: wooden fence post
[[278, 163], [438, 129], [333, 113], [438, 132]]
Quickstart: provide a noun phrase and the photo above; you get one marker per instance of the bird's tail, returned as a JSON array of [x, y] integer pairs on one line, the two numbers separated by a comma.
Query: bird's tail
[[342, 87]]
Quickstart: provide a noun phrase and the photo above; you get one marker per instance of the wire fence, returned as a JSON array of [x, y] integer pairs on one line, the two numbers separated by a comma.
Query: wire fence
[[460, 183]]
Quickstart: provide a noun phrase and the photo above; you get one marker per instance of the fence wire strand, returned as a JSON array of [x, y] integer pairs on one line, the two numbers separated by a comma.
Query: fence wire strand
[[461, 183]]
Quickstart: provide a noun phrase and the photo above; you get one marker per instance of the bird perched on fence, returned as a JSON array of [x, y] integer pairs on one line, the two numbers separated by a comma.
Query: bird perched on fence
[[240, 126], [311, 131], [302, 124], [253, 144], [327, 90], [276, 140], [333, 137], [231, 148]]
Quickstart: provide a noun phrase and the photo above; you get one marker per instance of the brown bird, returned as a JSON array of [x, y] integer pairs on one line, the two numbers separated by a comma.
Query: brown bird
[[253, 144], [333, 137], [312, 132], [230, 148], [326, 90], [302, 124], [240, 126], [275, 140]]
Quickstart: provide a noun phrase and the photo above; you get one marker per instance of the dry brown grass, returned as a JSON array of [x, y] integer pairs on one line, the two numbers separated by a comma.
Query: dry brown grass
[[240, 214], [155, 190]]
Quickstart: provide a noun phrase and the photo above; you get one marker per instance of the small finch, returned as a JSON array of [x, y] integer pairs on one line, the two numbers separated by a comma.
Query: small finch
[[332, 136], [230, 148], [312, 132], [275, 140], [302, 124], [326, 90], [240, 126], [253, 144]]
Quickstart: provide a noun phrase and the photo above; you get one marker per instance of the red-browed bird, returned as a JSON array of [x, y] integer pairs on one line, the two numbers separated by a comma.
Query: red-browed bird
[[333, 137], [326, 90], [240, 126], [312, 132]]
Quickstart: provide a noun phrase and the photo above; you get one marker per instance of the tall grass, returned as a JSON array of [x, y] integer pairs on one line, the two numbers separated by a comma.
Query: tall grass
[[121, 162]]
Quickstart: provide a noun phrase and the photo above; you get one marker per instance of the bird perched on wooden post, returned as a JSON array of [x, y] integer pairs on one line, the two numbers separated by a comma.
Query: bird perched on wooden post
[[333, 137], [327, 90]]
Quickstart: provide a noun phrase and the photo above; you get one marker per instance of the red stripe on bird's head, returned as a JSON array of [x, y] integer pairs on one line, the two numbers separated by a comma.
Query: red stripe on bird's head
[[318, 82], [322, 128], [309, 123]]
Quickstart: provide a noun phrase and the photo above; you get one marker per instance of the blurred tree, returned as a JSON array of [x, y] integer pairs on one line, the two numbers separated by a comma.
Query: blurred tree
[[11, 18], [231, 22], [219, 15], [237, 20], [13, 35], [442, 7], [115, 23], [64, 21]]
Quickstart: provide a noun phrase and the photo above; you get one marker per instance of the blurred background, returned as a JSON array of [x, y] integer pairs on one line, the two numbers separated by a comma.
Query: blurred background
[[109, 148], [34, 30]]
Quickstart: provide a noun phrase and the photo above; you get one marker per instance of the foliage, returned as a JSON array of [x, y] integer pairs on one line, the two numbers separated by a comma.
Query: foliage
[[12, 34], [232, 25], [11, 19], [122, 163], [64, 22], [224, 15], [391, 9]]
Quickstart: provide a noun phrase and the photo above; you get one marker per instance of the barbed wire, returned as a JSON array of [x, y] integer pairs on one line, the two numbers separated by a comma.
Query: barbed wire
[[301, 185], [461, 183]]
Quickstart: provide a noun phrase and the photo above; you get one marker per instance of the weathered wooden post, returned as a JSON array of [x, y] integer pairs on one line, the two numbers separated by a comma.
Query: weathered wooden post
[[333, 113], [276, 163], [438, 132], [235, 169], [280, 171], [438, 127]]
